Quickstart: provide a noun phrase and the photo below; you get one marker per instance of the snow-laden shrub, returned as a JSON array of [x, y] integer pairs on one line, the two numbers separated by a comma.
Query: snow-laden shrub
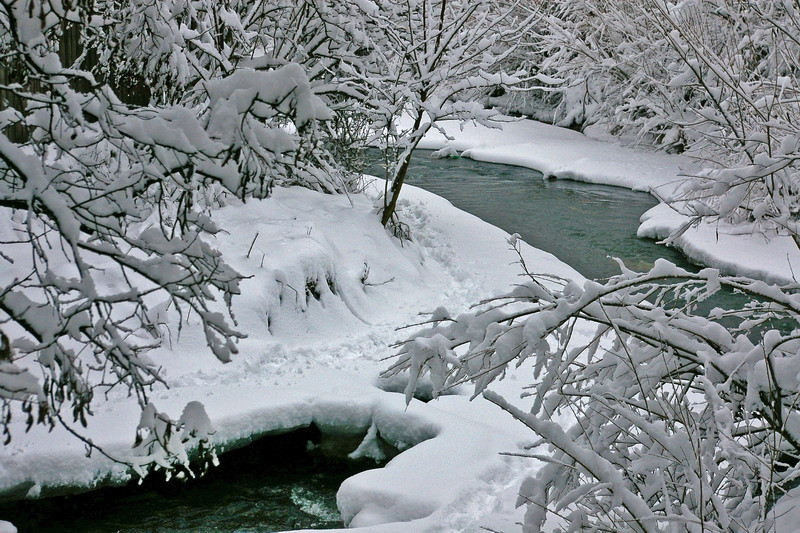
[[596, 61], [680, 420], [104, 222], [718, 78]]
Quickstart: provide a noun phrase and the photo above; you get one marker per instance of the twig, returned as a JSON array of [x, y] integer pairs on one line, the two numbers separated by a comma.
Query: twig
[[251, 246]]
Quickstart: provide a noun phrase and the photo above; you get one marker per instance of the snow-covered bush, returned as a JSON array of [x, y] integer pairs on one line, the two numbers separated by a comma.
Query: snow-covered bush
[[322, 36], [679, 420], [589, 60], [716, 77], [103, 205], [736, 66]]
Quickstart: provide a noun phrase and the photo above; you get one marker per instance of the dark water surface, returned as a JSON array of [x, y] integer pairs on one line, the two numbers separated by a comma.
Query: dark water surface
[[580, 223], [274, 484]]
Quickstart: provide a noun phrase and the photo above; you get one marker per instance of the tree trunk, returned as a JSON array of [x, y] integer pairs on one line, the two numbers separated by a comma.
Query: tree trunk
[[400, 176]]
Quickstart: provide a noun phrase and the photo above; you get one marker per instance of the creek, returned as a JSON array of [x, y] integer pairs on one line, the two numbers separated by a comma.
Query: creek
[[277, 483], [582, 224]]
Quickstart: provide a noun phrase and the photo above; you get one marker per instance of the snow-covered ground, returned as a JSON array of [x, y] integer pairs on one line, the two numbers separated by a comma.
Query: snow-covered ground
[[564, 154], [561, 153], [327, 289]]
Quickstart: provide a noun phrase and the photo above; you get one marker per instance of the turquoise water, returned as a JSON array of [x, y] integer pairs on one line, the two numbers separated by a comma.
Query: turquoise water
[[580, 223], [274, 484], [583, 224]]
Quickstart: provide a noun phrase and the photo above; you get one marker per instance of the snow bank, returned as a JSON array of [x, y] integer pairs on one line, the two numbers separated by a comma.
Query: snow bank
[[565, 154], [326, 289], [560, 153], [732, 249]]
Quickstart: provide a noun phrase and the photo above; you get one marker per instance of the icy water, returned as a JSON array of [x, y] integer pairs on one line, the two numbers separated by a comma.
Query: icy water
[[274, 484], [582, 224]]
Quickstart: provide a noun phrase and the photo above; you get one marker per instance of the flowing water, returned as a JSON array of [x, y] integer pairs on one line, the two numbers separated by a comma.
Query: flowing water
[[583, 224], [275, 484], [580, 223]]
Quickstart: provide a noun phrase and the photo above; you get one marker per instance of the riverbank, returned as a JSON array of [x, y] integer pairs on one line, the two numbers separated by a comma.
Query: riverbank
[[326, 289], [565, 154]]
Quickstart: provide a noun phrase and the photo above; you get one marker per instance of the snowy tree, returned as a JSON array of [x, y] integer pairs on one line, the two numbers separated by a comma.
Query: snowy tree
[[673, 417], [105, 227], [426, 60], [676, 419], [737, 67], [715, 77]]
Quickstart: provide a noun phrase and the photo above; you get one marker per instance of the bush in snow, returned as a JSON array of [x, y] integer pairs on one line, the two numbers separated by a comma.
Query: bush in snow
[[716, 77], [679, 420], [104, 224]]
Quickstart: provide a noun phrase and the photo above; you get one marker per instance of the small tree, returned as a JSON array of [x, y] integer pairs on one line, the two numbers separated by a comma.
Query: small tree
[[378, 62], [429, 61]]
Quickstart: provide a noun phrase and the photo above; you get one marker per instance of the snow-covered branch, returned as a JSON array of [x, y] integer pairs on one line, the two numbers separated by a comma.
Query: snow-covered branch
[[715, 78], [679, 416], [106, 229]]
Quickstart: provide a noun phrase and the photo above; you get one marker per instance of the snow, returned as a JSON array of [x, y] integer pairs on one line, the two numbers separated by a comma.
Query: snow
[[785, 515], [319, 331], [318, 339], [731, 249], [560, 153]]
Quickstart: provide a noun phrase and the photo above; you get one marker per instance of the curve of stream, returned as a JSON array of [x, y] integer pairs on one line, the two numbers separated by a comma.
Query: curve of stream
[[582, 224]]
